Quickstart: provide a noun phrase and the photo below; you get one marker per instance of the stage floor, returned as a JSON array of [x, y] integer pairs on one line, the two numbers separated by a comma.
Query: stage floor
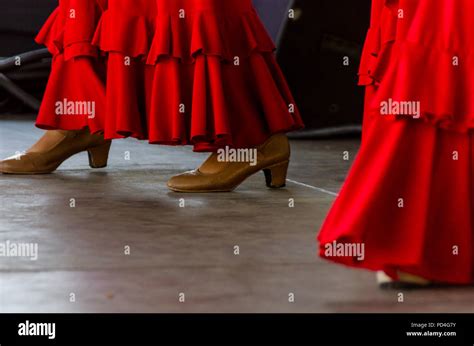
[[188, 250]]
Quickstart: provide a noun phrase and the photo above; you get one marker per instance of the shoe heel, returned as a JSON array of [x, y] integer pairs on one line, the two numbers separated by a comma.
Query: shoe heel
[[99, 156], [275, 176]]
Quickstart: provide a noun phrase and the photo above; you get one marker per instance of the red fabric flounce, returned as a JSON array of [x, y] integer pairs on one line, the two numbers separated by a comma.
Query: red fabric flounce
[[410, 163], [124, 33], [70, 28], [228, 37], [409, 54], [395, 201], [175, 72]]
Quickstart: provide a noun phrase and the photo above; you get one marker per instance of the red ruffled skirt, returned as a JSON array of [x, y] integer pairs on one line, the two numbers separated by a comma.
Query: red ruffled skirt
[[177, 72], [408, 201]]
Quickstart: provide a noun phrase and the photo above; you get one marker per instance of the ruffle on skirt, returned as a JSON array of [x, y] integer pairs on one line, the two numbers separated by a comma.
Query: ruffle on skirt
[[69, 30], [206, 76], [417, 52], [408, 202], [228, 37], [394, 204]]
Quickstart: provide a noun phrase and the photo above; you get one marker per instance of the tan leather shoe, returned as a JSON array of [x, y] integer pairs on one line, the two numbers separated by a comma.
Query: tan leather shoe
[[223, 175], [405, 280], [54, 148]]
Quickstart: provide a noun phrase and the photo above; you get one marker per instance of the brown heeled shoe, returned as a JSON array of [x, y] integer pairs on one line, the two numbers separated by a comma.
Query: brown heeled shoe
[[54, 148], [218, 175]]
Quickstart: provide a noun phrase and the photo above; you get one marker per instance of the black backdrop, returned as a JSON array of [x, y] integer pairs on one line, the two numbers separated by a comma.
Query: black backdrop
[[19, 21], [312, 52]]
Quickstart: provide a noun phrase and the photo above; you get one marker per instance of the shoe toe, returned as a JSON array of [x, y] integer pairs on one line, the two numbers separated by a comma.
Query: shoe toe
[[18, 164], [183, 182], [7, 165]]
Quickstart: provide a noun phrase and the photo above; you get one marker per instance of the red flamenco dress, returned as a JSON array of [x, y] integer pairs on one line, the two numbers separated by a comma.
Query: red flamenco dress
[[175, 72], [409, 198]]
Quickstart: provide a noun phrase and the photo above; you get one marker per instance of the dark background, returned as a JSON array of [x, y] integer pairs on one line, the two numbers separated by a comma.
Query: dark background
[[20, 20], [311, 49]]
